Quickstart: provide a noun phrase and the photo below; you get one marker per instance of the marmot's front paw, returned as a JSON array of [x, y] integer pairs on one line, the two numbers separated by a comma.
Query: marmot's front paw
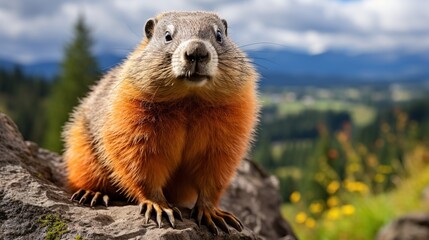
[[147, 206], [213, 216], [82, 196]]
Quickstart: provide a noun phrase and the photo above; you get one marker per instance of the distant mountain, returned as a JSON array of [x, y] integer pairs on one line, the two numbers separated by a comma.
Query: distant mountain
[[286, 67], [45, 69], [4, 64], [50, 69], [108, 61]]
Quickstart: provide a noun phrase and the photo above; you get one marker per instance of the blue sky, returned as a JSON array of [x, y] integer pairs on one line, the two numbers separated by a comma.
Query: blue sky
[[37, 30]]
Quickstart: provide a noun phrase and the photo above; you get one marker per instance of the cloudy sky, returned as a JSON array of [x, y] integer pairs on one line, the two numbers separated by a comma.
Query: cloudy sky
[[37, 30]]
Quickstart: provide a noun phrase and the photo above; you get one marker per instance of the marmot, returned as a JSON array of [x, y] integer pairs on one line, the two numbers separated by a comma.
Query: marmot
[[169, 126]]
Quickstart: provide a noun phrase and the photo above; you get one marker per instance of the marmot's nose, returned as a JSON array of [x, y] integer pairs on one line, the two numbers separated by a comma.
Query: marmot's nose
[[196, 52]]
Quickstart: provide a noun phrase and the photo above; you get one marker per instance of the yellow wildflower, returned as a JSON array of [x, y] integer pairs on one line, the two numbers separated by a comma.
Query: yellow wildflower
[[333, 187], [333, 201], [379, 178], [333, 213], [348, 209], [372, 160], [353, 186], [316, 207], [301, 217], [362, 187], [295, 197], [353, 167], [310, 223]]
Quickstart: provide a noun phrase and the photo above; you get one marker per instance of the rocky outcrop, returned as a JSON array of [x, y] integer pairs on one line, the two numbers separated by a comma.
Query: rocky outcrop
[[413, 226], [34, 204]]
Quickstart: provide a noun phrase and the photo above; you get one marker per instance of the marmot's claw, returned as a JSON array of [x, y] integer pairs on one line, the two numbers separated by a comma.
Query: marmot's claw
[[205, 216], [77, 195], [95, 198], [214, 217], [221, 223], [147, 206], [197, 214], [177, 213], [82, 196], [106, 200], [88, 194], [232, 220]]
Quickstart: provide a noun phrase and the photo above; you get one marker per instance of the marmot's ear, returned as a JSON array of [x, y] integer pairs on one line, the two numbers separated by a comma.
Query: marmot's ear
[[225, 24], [149, 27]]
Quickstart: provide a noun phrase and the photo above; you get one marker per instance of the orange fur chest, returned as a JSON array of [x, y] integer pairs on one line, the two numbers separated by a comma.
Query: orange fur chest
[[191, 125]]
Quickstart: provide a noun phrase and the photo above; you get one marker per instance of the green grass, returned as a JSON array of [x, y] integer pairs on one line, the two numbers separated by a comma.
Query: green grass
[[372, 212]]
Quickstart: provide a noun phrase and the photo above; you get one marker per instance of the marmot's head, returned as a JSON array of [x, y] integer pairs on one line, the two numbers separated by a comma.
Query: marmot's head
[[188, 53]]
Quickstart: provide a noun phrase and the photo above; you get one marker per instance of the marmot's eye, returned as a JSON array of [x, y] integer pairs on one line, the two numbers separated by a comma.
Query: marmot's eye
[[219, 38], [168, 37]]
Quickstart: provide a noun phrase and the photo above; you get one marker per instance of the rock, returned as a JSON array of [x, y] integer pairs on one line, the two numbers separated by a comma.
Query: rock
[[254, 197], [34, 204], [413, 226]]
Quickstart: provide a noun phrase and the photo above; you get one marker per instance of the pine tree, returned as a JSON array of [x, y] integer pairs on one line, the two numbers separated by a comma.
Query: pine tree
[[78, 71]]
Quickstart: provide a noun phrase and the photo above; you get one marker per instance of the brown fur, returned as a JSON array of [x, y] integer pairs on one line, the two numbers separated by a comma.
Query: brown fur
[[170, 144]]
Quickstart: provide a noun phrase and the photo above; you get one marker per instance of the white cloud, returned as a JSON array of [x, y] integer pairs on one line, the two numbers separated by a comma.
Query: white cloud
[[39, 31]]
